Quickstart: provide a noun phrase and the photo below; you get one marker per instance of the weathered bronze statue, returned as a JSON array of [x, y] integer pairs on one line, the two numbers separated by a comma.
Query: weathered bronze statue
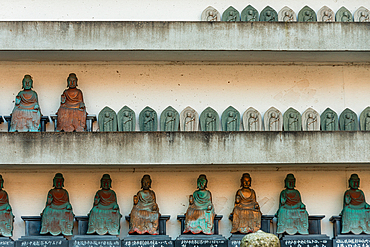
[[144, 216], [105, 217], [72, 111], [26, 114], [246, 213], [200, 214], [6, 215], [292, 215], [57, 217], [356, 212]]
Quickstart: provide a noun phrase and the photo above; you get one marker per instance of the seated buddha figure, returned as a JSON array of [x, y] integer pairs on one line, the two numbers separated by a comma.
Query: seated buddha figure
[[72, 111], [104, 217], [57, 217], [144, 216], [200, 215], [6, 215], [26, 114], [292, 216], [356, 212], [246, 213]]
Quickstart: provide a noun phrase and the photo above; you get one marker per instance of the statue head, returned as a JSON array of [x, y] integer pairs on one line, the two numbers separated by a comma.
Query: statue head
[[146, 182], [354, 181], [169, 114], [329, 115], [292, 115], [27, 82], [273, 115], [202, 182], [106, 182], [58, 181], [210, 13], [72, 80], [107, 114], [252, 115], [246, 180], [231, 13], [289, 181], [147, 114], [188, 114], [307, 13], [310, 115], [125, 113], [268, 13], [345, 13], [231, 114]]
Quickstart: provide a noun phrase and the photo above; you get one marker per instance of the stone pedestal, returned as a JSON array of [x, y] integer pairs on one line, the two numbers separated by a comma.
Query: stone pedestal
[[200, 240], [42, 241], [351, 240], [44, 121], [32, 225], [90, 119], [310, 240], [337, 225], [147, 240], [162, 223], [314, 224], [83, 224], [94, 241], [6, 242]]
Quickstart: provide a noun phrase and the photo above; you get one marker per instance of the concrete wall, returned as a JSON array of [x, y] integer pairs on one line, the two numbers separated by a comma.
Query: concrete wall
[[158, 10], [321, 189]]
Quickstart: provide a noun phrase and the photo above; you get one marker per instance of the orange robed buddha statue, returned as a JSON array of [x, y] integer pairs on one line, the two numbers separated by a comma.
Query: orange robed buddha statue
[[72, 111], [26, 114], [356, 212], [57, 217], [200, 215], [144, 216], [246, 213], [6, 215], [104, 217]]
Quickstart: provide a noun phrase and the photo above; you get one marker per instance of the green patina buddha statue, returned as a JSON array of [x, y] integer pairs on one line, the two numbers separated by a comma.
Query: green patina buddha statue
[[6, 215], [356, 212], [104, 217], [292, 216], [57, 217]]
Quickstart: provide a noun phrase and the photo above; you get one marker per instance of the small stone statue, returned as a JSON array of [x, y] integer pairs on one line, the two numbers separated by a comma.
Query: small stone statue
[[6, 215], [231, 15], [343, 15], [268, 14], [57, 217], [329, 120], [249, 13], [362, 14], [292, 216], [26, 114], [273, 120], [72, 111], [292, 120], [209, 120], [126, 119], [148, 120], [365, 119], [230, 119], [144, 216], [325, 14], [189, 120], [306, 14], [356, 212], [200, 215], [286, 14], [170, 119], [252, 120], [104, 217], [246, 213], [107, 120], [310, 120], [211, 14], [348, 120]]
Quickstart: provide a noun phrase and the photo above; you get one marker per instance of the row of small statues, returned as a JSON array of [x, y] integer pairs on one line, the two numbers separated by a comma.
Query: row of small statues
[[104, 217], [286, 14], [71, 116]]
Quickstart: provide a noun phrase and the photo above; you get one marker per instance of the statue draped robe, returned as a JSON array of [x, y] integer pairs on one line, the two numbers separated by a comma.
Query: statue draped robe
[[246, 218], [355, 217], [6, 215], [71, 116], [198, 218], [291, 217], [24, 116], [104, 217], [56, 218], [144, 216]]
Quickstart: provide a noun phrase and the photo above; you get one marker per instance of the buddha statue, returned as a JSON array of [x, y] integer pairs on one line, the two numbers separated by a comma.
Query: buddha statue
[[57, 217], [6, 215], [26, 114], [104, 217], [72, 111], [292, 216], [246, 213], [356, 212], [200, 215], [144, 216]]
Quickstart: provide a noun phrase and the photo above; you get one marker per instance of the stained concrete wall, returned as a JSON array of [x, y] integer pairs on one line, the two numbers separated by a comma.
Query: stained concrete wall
[[147, 10]]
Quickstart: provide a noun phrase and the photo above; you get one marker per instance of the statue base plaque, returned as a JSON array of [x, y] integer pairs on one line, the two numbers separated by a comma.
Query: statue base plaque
[[309, 240], [42, 241], [95, 241], [200, 240], [351, 240], [147, 240], [4, 242], [235, 239]]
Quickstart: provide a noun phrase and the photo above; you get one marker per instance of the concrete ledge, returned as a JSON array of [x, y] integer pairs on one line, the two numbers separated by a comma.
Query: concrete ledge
[[135, 149], [184, 41]]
